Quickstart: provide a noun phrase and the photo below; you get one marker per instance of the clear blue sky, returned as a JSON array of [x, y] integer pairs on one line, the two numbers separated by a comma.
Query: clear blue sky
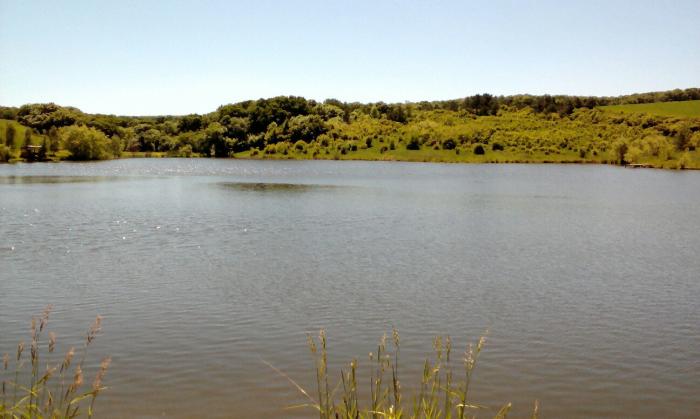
[[174, 57]]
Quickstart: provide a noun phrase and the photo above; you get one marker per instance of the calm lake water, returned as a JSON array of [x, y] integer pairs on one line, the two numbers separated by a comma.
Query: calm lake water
[[587, 278]]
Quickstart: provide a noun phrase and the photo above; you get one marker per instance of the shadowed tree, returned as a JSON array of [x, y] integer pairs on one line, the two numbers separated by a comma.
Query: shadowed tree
[[10, 133], [27, 137]]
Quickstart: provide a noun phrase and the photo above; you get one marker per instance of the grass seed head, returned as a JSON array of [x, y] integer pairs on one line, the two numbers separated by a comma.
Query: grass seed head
[[94, 329], [45, 317], [97, 383], [396, 338], [311, 343], [33, 326], [67, 360]]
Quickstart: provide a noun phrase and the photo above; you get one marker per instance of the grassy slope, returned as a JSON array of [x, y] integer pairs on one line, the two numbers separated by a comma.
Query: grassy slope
[[689, 108], [19, 133], [527, 137]]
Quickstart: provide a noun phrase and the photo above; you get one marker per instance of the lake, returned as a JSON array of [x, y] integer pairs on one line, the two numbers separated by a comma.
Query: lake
[[586, 278]]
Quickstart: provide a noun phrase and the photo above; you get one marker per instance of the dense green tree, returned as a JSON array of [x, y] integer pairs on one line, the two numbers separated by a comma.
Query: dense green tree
[[85, 143], [190, 123], [277, 109], [305, 128], [216, 144], [42, 116]]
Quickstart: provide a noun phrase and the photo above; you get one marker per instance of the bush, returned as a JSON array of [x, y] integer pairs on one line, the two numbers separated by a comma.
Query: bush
[[449, 144], [5, 154], [185, 150], [413, 144], [479, 150], [497, 147]]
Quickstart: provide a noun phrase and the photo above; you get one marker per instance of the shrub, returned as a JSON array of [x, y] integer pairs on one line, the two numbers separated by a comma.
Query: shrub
[[300, 145], [185, 150], [449, 144], [497, 147], [5, 153], [479, 150], [282, 148], [620, 149], [413, 144]]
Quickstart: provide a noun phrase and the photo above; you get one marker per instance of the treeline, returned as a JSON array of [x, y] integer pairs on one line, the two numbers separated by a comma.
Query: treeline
[[260, 125], [563, 105]]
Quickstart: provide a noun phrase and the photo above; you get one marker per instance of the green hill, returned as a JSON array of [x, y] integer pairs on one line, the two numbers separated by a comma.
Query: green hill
[[689, 108]]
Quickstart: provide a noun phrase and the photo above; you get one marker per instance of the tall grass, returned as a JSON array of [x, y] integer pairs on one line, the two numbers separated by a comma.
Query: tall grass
[[443, 392], [46, 386]]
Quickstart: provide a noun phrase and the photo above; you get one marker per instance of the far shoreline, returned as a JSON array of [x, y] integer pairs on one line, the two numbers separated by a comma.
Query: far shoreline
[[161, 156]]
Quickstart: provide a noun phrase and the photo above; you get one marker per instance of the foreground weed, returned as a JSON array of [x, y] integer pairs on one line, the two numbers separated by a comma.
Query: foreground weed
[[441, 394], [41, 386]]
